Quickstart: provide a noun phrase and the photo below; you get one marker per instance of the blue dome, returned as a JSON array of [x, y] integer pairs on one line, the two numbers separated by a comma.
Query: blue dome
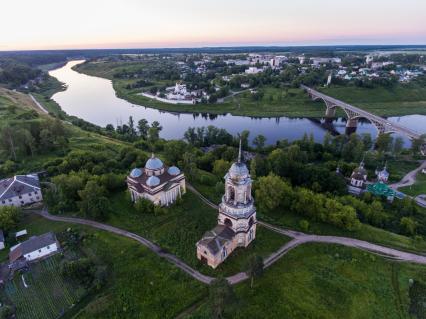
[[154, 163], [173, 170], [135, 173], [153, 181]]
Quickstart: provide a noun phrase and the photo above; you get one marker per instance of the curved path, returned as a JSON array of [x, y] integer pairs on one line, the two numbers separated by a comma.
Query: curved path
[[298, 239], [410, 178]]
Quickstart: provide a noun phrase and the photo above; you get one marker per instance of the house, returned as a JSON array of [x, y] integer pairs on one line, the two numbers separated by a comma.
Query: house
[[236, 221], [253, 70], [21, 233], [156, 182], [34, 249], [1, 240], [319, 61], [20, 190]]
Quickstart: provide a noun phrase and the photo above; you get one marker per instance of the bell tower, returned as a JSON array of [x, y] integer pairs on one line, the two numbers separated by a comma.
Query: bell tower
[[237, 209]]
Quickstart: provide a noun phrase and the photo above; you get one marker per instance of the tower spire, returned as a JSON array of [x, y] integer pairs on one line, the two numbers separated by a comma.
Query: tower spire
[[239, 152]]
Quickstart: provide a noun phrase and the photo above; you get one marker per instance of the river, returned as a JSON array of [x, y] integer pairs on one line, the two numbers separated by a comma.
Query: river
[[93, 99]]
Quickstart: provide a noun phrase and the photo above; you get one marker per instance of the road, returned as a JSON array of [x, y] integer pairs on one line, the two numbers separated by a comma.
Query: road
[[38, 104], [410, 178], [298, 239]]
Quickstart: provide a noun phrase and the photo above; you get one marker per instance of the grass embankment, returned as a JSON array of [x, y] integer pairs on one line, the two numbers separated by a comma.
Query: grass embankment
[[403, 99], [419, 187], [327, 281], [138, 282]]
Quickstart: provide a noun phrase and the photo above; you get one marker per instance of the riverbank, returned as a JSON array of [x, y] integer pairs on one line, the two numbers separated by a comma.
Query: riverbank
[[403, 99]]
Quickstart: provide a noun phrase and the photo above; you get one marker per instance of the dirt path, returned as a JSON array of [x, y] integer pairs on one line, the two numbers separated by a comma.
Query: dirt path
[[298, 239], [410, 178]]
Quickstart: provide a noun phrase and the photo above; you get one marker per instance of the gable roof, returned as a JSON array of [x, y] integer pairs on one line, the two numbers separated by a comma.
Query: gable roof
[[19, 184], [32, 244], [216, 238]]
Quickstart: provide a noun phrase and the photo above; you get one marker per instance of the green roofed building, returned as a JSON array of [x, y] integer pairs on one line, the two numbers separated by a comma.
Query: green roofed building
[[381, 189]]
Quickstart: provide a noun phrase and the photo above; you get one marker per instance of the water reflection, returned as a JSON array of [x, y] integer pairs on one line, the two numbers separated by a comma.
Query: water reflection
[[93, 99]]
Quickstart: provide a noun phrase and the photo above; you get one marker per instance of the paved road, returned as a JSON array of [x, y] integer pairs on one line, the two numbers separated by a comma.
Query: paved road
[[410, 178]]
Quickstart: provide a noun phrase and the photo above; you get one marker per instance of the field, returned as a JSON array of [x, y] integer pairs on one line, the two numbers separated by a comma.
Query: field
[[179, 229], [48, 295], [138, 282], [403, 99], [326, 281]]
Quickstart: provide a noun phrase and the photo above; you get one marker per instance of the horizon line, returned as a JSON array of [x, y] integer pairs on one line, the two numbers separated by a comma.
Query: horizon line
[[217, 47]]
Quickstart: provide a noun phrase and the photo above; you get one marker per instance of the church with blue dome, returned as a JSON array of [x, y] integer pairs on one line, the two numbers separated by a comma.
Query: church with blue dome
[[156, 182]]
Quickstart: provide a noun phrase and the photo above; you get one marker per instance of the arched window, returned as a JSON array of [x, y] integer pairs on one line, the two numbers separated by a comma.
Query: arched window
[[251, 222], [228, 222], [231, 193]]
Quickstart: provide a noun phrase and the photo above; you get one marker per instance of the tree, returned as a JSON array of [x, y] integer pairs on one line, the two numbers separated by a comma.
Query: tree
[[174, 151], [409, 225], [9, 217], [272, 192], [221, 296], [398, 145], [255, 268], [143, 127], [384, 143], [220, 167], [259, 142], [418, 143], [93, 203]]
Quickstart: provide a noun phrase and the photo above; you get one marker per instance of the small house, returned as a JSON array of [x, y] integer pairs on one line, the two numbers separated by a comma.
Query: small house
[[34, 248]]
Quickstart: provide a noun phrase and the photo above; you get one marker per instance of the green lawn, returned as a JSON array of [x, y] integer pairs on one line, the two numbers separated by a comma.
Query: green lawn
[[179, 229], [327, 281], [138, 282], [419, 187], [48, 295]]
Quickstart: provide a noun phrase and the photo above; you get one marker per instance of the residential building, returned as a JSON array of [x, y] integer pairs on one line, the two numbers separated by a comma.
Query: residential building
[[319, 61], [156, 182], [34, 248], [20, 190], [1, 240], [236, 221], [253, 70]]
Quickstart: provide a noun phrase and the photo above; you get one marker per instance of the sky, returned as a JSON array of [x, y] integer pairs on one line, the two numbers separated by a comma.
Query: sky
[[78, 24]]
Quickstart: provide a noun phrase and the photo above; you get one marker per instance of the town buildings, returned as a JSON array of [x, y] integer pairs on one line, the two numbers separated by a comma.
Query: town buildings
[[156, 182], [236, 221], [20, 190]]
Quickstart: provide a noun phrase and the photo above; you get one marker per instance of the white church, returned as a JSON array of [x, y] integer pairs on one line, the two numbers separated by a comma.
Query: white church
[[236, 221]]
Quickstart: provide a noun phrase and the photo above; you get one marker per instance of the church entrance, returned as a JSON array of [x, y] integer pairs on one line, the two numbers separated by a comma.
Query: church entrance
[[204, 260], [228, 222]]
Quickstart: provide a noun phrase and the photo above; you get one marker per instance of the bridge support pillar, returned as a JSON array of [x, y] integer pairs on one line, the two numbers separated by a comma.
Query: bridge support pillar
[[351, 125], [330, 112]]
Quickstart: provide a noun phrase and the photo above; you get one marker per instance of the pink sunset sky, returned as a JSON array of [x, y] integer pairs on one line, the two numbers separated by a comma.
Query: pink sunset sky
[[58, 24]]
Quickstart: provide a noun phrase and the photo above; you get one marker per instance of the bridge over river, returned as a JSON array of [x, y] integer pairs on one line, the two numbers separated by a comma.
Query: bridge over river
[[354, 113]]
